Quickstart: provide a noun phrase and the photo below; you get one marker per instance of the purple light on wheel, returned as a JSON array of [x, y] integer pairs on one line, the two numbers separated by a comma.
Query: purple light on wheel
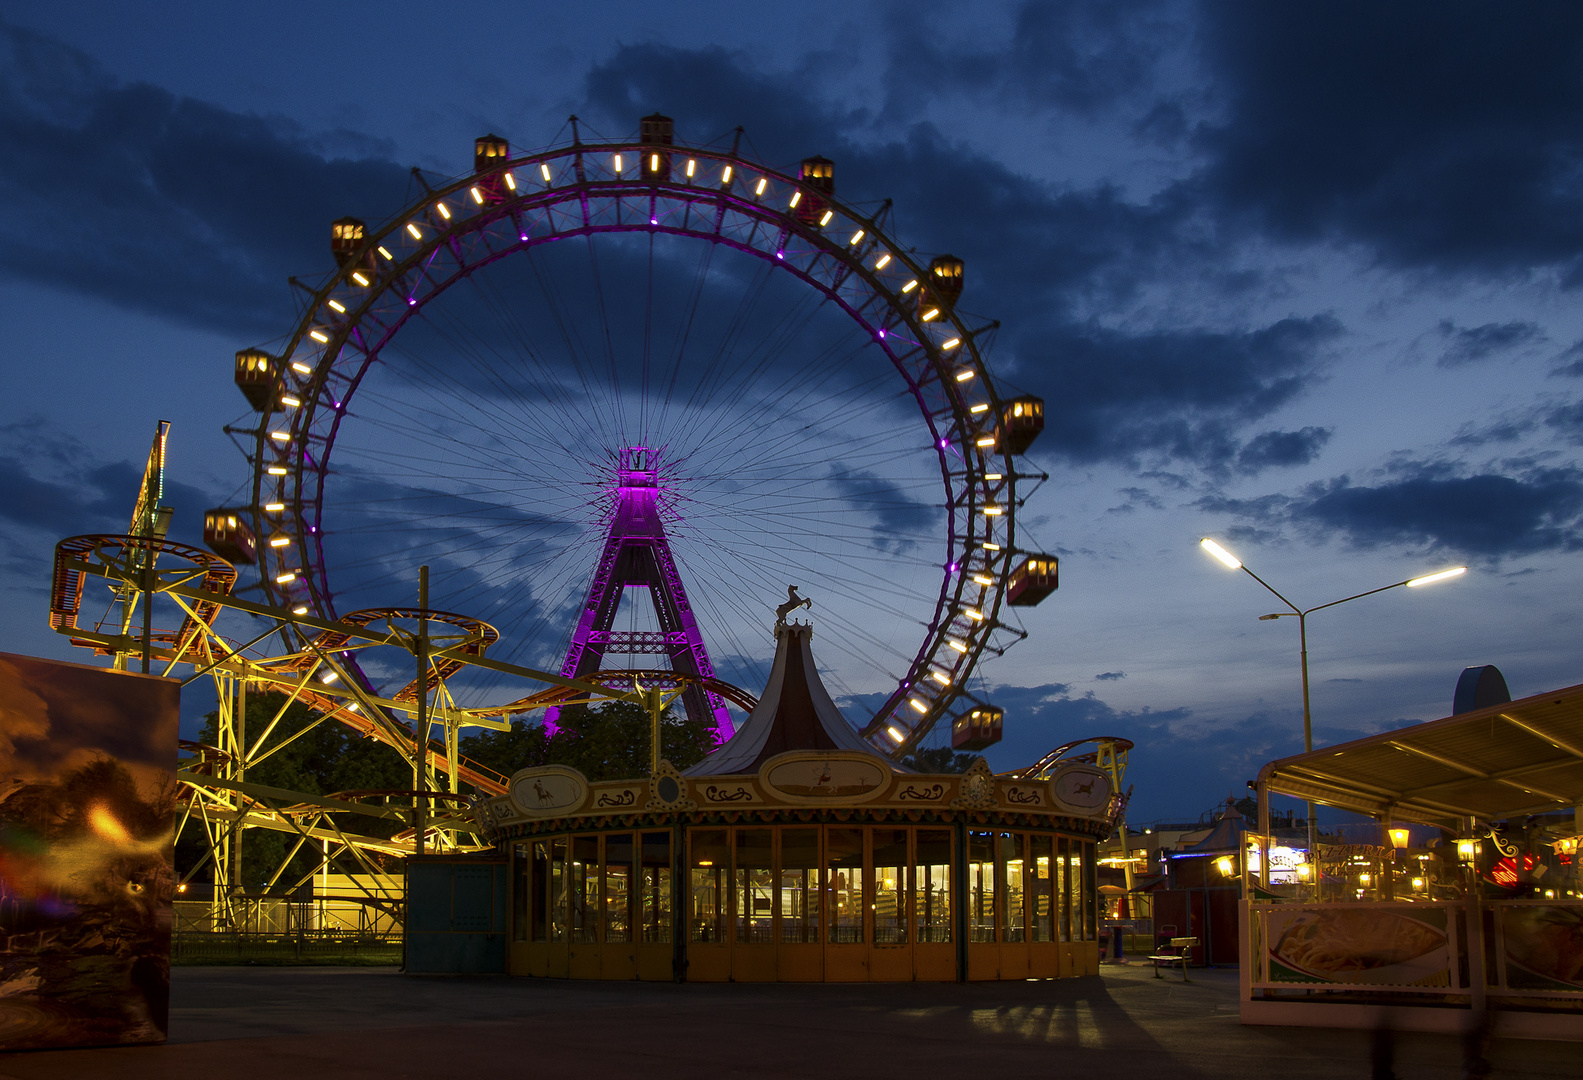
[[411, 302], [654, 221], [944, 443], [523, 238], [952, 568], [882, 333], [780, 254]]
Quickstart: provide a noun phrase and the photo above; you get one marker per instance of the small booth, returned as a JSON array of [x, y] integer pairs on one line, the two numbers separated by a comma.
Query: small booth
[[796, 852], [1467, 910]]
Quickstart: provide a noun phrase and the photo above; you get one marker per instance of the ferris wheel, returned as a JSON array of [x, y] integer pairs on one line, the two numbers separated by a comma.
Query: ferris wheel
[[471, 386]]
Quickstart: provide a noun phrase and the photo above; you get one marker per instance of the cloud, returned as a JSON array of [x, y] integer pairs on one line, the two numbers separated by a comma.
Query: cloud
[[1282, 449], [1481, 515], [1572, 358], [161, 203], [1039, 257], [1179, 394], [1439, 134], [1082, 55], [1180, 759], [1110, 676], [898, 518], [1472, 344], [1567, 421], [1431, 506], [58, 486]]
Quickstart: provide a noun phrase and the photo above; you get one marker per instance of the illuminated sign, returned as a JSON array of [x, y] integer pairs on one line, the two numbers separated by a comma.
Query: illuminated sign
[[1284, 862]]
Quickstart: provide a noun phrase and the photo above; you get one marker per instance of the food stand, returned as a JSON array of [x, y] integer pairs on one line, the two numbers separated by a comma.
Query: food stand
[[1467, 913]]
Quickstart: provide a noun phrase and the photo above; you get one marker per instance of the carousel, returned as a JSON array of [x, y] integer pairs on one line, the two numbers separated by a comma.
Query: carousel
[[795, 852]]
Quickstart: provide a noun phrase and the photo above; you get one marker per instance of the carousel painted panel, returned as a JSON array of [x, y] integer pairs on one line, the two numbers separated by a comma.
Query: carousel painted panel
[[1080, 790], [924, 790], [548, 791], [727, 791], [1024, 795], [826, 777], [618, 798]]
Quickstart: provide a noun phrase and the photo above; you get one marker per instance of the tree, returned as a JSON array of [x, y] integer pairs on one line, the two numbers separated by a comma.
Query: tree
[[940, 759], [609, 741]]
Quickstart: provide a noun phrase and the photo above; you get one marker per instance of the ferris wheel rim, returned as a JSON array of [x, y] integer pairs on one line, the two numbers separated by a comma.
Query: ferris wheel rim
[[329, 326]]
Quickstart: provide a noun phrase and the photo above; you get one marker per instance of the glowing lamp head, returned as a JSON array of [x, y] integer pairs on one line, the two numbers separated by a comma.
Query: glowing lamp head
[[1398, 837], [1226, 865], [1305, 872], [1468, 850], [1430, 579], [1231, 561]]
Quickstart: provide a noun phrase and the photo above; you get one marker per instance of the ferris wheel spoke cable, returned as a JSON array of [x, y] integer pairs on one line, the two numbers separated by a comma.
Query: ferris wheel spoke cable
[[685, 331], [530, 415], [604, 328], [790, 561]]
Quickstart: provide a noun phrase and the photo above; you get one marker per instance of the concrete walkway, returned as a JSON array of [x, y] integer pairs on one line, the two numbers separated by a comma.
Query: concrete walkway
[[351, 1023]]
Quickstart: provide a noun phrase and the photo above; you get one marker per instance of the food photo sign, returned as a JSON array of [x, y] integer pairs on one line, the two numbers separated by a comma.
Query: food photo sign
[[1377, 945]]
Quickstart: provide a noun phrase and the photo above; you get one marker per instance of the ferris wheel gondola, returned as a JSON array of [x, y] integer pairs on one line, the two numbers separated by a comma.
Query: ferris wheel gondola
[[308, 396]]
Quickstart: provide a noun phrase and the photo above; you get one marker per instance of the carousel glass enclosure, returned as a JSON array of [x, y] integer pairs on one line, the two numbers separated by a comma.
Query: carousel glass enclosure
[[834, 901]]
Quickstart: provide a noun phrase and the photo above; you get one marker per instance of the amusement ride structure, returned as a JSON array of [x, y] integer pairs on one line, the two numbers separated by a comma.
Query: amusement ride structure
[[575, 422]]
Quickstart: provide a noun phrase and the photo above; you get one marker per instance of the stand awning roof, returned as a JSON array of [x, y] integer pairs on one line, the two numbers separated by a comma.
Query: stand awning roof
[[1505, 761]]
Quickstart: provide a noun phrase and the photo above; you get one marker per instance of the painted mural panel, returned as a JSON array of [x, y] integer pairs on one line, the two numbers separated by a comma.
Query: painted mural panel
[[87, 799]]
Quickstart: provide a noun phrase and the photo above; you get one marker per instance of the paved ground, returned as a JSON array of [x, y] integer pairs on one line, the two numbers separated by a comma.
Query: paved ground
[[351, 1023]]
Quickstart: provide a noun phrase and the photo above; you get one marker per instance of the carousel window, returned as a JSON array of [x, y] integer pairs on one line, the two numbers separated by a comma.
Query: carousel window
[[755, 892], [656, 887], [844, 870], [1063, 885], [618, 888], [932, 882], [800, 885], [981, 886], [1090, 893], [1012, 860], [711, 862], [1041, 897], [890, 886], [560, 925], [522, 905], [584, 882]]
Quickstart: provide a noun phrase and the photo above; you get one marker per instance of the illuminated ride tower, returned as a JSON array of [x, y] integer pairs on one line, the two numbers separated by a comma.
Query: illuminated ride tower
[[637, 553]]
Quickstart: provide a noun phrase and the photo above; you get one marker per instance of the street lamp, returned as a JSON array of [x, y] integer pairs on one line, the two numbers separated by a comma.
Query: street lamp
[[1233, 563]]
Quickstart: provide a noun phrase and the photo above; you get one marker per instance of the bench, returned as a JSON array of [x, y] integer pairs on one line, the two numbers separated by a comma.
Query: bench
[[1179, 951]]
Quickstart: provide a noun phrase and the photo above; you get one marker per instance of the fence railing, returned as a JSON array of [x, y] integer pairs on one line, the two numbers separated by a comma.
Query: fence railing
[[286, 930]]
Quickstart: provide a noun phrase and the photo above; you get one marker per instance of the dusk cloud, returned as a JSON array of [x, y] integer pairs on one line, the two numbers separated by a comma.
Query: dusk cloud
[[1441, 134], [1282, 449], [1468, 345], [162, 203]]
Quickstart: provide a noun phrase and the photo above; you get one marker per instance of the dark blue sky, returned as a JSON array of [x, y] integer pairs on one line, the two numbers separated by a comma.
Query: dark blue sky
[[1303, 278]]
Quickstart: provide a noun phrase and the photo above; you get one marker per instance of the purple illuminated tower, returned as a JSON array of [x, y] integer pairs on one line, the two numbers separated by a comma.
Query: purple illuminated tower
[[637, 553]]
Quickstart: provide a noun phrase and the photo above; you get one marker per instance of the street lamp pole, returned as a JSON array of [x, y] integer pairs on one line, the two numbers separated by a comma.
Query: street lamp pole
[[1232, 562]]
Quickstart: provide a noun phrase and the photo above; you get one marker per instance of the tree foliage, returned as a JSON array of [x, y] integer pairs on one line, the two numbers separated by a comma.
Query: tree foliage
[[940, 759], [603, 742]]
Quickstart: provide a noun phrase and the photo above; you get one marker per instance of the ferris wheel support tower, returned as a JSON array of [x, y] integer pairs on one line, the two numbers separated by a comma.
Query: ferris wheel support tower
[[637, 553]]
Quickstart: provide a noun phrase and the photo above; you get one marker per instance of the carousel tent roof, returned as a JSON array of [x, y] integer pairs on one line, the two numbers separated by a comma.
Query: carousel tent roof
[[794, 713], [1507, 760]]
